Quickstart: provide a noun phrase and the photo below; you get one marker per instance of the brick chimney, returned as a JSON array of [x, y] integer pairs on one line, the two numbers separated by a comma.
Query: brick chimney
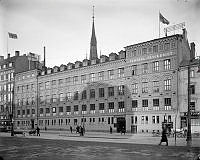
[[17, 53], [8, 55]]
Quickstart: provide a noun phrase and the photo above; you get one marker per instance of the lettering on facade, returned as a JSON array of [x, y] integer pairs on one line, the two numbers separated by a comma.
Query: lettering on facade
[[149, 57]]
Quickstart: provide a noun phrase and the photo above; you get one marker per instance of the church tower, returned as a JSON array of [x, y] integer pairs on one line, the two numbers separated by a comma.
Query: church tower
[[93, 42]]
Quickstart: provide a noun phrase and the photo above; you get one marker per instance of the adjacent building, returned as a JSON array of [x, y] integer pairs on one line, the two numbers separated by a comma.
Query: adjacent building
[[8, 68]]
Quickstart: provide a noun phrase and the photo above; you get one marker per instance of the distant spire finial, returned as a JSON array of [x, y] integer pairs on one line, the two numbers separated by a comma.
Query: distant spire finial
[[93, 13]]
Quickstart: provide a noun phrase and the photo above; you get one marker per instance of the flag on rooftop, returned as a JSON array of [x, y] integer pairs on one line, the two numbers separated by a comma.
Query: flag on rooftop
[[12, 35], [163, 19]]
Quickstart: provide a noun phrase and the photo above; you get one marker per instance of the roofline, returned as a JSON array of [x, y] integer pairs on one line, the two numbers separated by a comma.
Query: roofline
[[176, 35]]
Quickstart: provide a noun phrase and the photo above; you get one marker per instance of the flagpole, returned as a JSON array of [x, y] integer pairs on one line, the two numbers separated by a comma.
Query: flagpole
[[7, 43], [159, 22]]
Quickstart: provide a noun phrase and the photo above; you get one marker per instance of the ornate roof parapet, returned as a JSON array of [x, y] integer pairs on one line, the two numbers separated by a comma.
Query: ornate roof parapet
[[94, 61], [113, 56], [122, 54], [56, 69], [86, 62], [70, 65], [103, 58], [78, 64]]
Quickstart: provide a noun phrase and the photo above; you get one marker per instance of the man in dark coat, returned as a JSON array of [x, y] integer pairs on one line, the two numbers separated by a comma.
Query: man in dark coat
[[38, 131], [164, 136]]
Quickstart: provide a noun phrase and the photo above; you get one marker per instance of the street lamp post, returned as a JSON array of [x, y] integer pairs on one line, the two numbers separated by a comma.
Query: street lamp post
[[189, 135]]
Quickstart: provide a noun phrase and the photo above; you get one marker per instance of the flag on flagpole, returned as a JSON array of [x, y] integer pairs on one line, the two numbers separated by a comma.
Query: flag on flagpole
[[12, 35], [163, 19]]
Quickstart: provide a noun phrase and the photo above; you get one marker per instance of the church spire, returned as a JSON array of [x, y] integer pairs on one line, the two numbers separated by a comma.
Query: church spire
[[93, 42]]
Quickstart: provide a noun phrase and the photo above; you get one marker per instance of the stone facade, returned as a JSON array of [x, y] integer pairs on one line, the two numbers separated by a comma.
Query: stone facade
[[136, 89]]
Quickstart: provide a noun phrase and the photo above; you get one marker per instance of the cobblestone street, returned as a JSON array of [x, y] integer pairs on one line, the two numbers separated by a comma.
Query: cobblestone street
[[26, 148]]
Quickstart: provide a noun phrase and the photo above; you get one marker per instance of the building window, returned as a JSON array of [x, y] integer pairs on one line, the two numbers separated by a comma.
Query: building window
[[60, 82], [134, 105], [101, 107], [166, 46], [192, 106], [121, 90], [121, 106], [168, 104], [145, 68], [76, 95], [54, 110], [68, 109], [101, 92], [101, 75], [146, 119], [54, 83], [47, 110], [134, 70], [153, 119], [75, 79], [142, 120], [144, 87], [84, 109], [54, 97], [111, 107], [92, 77], [110, 91], [41, 110], [155, 49], [144, 51], [167, 85], [47, 85], [68, 80], [76, 108], [92, 108], [61, 97], [191, 73], [92, 93], [156, 104], [84, 94], [145, 104], [111, 74], [192, 89], [155, 66], [155, 86], [48, 99], [167, 64], [157, 119], [33, 111], [83, 78], [69, 96], [121, 72], [135, 88]]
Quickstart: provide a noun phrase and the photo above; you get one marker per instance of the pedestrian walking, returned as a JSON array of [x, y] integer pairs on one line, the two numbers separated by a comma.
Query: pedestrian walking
[[110, 130], [77, 129], [164, 136], [38, 131], [71, 129], [80, 130]]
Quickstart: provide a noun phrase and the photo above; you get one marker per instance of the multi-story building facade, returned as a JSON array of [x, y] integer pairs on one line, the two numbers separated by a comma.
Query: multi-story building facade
[[136, 89], [194, 94], [8, 68]]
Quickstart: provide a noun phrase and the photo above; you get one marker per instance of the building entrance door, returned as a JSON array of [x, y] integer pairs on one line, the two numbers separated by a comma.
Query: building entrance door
[[32, 123], [133, 128], [121, 124]]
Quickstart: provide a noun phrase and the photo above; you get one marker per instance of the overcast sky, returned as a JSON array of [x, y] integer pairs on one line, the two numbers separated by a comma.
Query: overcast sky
[[64, 26]]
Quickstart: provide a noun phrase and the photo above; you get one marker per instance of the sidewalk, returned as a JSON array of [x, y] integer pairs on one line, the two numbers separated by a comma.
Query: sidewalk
[[107, 137]]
